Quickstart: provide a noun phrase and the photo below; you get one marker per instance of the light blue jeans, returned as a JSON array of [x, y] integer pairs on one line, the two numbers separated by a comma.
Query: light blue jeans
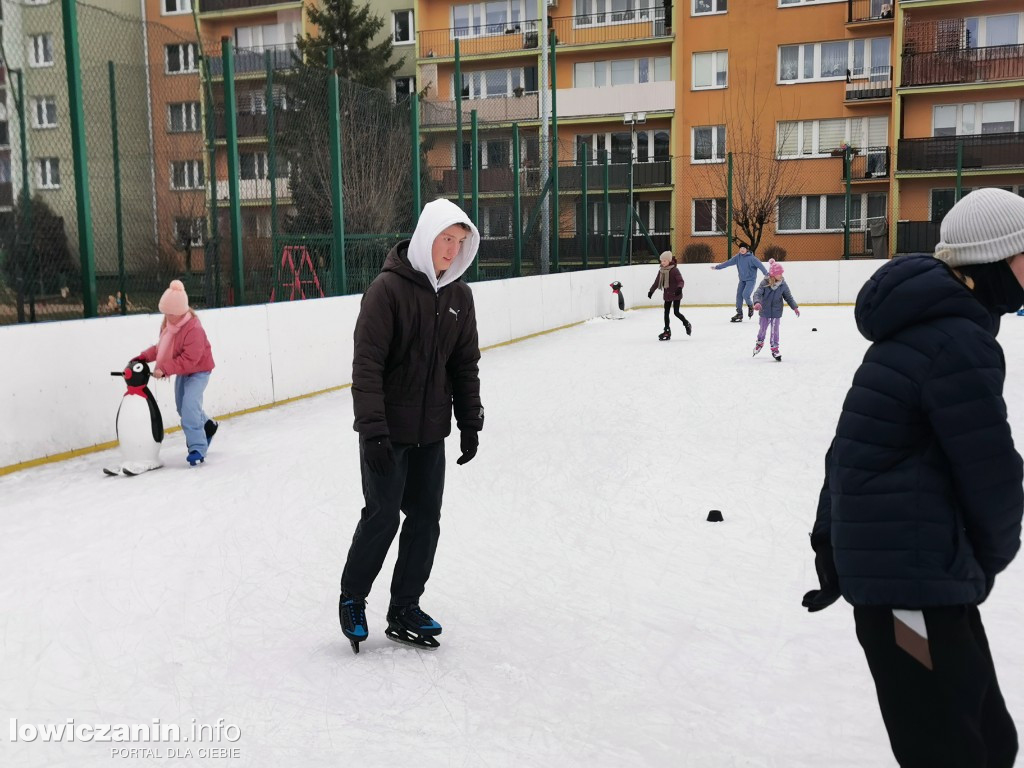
[[188, 399], [743, 293]]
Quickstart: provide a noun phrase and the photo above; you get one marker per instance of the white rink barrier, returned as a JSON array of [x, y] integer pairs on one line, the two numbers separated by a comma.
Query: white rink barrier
[[57, 394]]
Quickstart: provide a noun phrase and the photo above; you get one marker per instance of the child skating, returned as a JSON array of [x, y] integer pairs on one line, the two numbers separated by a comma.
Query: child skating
[[747, 265], [768, 299], [184, 352], [670, 282]]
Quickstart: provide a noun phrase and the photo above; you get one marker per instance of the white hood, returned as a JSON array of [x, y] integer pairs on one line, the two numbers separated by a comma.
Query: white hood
[[437, 216]]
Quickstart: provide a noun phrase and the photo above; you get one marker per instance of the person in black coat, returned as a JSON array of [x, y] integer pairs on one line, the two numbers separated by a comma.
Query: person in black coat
[[415, 360], [922, 500]]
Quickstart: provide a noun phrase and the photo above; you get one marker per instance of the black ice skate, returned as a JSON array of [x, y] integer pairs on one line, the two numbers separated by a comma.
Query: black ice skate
[[352, 613], [777, 356], [686, 325], [737, 318], [409, 625], [750, 311], [665, 335]]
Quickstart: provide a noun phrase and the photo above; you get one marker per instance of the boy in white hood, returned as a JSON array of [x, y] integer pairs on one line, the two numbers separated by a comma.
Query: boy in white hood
[[415, 360]]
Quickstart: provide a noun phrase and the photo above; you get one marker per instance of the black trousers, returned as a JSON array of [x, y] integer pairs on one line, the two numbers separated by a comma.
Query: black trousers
[[674, 305], [414, 486], [951, 716]]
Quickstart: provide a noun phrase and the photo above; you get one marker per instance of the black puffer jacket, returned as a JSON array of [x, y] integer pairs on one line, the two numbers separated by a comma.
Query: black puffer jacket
[[923, 494], [416, 353]]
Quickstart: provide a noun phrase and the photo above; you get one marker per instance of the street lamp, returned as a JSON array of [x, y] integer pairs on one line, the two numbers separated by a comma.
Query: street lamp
[[632, 119]]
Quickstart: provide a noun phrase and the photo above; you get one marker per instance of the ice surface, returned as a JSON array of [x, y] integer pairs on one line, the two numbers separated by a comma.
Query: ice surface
[[592, 616]]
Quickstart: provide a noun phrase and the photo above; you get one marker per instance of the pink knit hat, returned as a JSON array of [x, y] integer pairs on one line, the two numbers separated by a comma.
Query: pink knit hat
[[175, 300], [774, 268]]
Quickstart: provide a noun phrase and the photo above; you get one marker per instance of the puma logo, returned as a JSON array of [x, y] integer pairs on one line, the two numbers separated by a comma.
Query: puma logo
[[455, 312]]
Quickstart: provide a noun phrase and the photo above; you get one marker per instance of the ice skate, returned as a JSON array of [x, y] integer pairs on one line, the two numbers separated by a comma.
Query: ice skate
[[757, 348], [777, 356], [686, 325], [409, 625], [352, 613], [750, 311], [737, 318], [194, 457], [665, 335], [210, 429]]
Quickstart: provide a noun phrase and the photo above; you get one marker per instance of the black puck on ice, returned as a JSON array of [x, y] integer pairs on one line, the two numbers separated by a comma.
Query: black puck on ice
[[715, 516], [814, 329]]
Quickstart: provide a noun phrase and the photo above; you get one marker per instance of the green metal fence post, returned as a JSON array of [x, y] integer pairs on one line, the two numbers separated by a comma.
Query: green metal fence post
[[337, 203], [117, 189], [414, 119], [234, 192], [606, 219], [474, 271], [517, 207], [272, 166], [847, 203], [25, 230], [959, 170], [76, 108], [211, 144], [555, 216], [586, 211], [458, 126], [728, 210]]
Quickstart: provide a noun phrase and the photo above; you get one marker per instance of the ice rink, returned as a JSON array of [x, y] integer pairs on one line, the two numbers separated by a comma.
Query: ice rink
[[592, 617]]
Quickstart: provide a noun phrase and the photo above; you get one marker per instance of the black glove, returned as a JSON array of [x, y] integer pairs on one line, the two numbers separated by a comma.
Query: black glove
[[650, 294], [469, 443], [378, 455], [817, 599]]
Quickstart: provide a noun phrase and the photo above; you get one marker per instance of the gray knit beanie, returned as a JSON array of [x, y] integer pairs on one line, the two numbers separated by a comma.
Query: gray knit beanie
[[986, 226]]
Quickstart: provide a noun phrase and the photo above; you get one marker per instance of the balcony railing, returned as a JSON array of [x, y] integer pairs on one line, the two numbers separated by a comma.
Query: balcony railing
[[916, 237], [570, 178], [591, 29], [247, 60], [6, 194], [870, 164], [993, 150], [211, 6], [254, 189], [869, 10], [251, 124], [504, 109], [964, 65], [878, 85]]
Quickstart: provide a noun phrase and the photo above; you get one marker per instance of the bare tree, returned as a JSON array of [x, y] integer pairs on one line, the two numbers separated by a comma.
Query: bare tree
[[759, 177]]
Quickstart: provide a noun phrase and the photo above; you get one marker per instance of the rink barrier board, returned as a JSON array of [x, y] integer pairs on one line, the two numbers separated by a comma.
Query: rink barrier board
[[274, 354]]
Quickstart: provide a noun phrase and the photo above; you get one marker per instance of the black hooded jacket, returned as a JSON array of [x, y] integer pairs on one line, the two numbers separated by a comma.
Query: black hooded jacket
[[922, 499], [416, 353]]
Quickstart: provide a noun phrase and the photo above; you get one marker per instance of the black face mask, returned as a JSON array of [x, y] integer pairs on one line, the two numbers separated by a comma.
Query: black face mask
[[995, 286]]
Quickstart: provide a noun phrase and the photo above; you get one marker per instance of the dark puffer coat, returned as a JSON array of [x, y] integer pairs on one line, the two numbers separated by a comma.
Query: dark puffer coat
[[922, 499], [674, 290], [416, 354]]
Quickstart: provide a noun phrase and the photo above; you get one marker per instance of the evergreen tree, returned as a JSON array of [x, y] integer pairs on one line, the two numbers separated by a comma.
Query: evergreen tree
[[349, 29]]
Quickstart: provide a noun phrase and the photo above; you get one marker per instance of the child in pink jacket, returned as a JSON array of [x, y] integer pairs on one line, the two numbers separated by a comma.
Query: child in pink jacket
[[184, 352]]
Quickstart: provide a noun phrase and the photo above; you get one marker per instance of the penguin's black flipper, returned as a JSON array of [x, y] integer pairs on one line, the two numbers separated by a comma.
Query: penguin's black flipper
[[155, 419]]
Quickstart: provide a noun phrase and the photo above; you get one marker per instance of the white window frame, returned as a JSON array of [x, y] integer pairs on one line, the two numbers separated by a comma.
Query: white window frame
[[179, 10], [982, 23], [714, 70], [604, 66], [477, 81], [651, 217], [714, 216], [43, 101], [412, 27], [478, 26], [857, 225], [801, 3], [856, 134], [978, 107], [716, 7], [197, 235], [189, 113], [603, 141], [39, 47], [394, 86], [715, 129], [489, 211], [189, 57], [605, 14], [193, 170], [865, 72], [46, 169], [261, 166]]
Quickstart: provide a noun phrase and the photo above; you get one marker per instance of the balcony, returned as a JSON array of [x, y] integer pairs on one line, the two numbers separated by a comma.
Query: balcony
[[570, 178], [501, 109], [868, 11], [916, 237], [249, 60], [251, 124], [250, 190], [616, 99], [509, 37], [6, 194], [877, 87], [963, 65], [215, 6], [993, 150], [870, 165]]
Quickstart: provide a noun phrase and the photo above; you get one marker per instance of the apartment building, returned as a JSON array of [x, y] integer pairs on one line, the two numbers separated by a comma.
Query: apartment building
[[10, 169], [960, 105], [613, 98]]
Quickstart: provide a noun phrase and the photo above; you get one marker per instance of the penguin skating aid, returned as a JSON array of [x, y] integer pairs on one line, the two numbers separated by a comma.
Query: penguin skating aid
[[139, 425]]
